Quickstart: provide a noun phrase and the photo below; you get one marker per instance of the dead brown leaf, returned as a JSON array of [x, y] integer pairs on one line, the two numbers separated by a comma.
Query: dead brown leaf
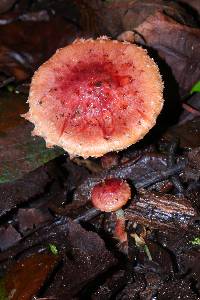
[[177, 44], [26, 277]]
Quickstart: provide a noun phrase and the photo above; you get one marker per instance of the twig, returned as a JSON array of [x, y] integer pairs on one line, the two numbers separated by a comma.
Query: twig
[[191, 109], [7, 81], [171, 162], [88, 215], [161, 175]]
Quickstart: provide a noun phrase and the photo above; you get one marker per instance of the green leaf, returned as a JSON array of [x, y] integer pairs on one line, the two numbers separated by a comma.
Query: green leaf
[[196, 88], [195, 241], [53, 249], [20, 152]]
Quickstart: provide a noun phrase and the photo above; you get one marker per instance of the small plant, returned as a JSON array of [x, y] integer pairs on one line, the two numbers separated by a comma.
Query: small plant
[[195, 241], [195, 88], [53, 249]]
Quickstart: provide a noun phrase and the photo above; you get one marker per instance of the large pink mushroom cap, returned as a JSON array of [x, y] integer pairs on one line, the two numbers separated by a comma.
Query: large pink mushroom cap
[[95, 96]]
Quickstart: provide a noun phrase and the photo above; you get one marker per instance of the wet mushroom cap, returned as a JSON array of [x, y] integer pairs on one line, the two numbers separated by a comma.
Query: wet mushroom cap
[[95, 96], [111, 194]]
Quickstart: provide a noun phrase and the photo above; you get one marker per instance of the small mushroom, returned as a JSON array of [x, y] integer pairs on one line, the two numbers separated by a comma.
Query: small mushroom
[[110, 196]]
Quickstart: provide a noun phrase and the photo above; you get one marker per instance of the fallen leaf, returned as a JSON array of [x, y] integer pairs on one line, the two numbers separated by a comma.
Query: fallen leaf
[[192, 171], [29, 218], [33, 30], [177, 44], [22, 49], [8, 237], [5, 5], [19, 191], [140, 10], [187, 133], [20, 153], [195, 4], [117, 16], [26, 277]]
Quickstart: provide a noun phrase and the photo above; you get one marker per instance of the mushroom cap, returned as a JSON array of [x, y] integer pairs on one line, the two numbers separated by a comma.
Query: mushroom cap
[[95, 96], [111, 194]]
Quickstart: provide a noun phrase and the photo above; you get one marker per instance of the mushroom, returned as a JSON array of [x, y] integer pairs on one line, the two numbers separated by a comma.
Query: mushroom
[[95, 96], [110, 196]]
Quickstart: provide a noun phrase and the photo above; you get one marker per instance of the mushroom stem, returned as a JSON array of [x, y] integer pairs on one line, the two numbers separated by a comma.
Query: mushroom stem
[[120, 228]]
